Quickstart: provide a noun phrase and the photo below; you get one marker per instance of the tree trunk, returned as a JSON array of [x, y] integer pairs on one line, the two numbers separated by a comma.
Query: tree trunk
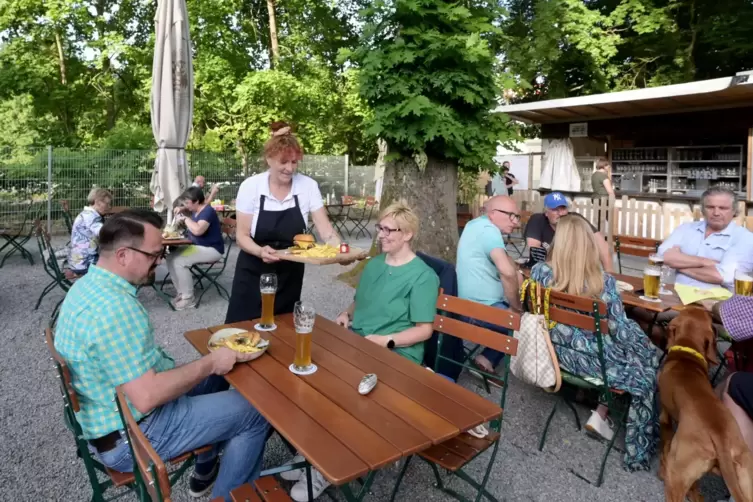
[[61, 57], [433, 195], [275, 49]]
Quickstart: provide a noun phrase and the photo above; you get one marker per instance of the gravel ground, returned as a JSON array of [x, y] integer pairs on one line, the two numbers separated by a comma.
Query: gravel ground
[[39, 461]]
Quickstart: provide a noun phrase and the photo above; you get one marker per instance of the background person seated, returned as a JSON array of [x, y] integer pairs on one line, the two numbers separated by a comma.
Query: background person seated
[[631, 359], [541, 227], [84, 250], [205, 232], [200, 182], [486, 274], [706, 253]]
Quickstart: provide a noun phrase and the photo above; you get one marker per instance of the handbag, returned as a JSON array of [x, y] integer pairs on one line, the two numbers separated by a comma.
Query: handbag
[[536, 361]]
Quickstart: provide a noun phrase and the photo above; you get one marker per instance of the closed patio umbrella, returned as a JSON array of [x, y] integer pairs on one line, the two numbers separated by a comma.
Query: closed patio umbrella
[[171, 103], [560, 172]]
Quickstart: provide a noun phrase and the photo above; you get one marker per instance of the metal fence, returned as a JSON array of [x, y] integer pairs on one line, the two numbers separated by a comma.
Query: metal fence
[[46, 176]]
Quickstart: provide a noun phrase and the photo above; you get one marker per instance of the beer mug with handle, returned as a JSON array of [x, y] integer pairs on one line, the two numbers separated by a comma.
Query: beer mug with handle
[[304, 317], [743, 282], [268, 288]]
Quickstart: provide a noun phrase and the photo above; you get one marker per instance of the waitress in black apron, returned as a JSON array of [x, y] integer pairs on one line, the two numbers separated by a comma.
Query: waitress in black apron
[[272, 207]]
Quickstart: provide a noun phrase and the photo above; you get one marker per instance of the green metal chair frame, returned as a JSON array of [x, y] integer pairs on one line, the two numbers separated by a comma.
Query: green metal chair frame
[[634, 246], [208, 271], [472, 446], [591, 315], [361, 217], [92, 465], [51, 267], [67, 217], [18, 238]]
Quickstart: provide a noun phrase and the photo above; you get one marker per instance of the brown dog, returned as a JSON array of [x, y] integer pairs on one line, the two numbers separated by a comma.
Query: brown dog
[[707, 437]]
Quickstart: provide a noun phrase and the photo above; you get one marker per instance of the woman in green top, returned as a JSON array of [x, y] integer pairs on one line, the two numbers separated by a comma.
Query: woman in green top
[[601, 181], [396, 298]]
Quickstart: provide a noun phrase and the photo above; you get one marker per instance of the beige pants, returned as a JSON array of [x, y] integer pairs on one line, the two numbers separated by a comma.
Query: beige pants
[[179, 263]]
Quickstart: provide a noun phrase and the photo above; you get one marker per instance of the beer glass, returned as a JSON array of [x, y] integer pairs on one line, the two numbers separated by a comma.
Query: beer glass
[[304, 317], [268, 287], [656, 259], [651, 282], [743, 283]]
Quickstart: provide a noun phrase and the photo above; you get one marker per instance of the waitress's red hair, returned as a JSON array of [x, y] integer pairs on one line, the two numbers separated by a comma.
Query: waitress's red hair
[[282, 142]]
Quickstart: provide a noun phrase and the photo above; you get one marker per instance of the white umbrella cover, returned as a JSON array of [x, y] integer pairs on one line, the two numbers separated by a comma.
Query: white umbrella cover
[[560, 171], [171, 103]]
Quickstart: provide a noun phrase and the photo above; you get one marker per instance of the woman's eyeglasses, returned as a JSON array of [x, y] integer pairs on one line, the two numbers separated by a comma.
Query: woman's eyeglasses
[[379, 228], [515, 217]]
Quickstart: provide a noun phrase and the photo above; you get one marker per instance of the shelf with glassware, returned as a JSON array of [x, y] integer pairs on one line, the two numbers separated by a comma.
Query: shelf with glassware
[[682, 169]]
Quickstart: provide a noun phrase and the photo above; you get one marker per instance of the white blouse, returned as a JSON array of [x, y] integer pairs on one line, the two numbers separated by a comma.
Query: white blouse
[[251, 190]]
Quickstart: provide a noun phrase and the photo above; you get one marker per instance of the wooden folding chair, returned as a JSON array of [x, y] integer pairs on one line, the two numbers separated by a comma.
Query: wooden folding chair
[[113, 479], [52, 268], [454, 454], [634, 246], [156, 484], [591, 315]]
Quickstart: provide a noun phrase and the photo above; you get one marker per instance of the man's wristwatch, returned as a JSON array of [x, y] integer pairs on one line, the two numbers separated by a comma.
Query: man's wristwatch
[[390, 343]]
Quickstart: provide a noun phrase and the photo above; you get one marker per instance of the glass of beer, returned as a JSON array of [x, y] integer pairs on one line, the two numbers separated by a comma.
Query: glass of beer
[[656, 259], [304, 317], [651, 282], [268, 287], [743, 283]]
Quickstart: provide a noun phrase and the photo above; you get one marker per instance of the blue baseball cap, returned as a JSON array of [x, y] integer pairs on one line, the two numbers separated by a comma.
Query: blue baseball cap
[[555, 200]]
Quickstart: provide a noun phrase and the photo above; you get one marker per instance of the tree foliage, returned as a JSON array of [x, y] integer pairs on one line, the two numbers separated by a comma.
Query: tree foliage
[[428, 71], [562, 48]]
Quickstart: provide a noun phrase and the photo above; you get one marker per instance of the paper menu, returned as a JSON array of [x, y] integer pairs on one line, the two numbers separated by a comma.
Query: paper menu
[[692, 294]]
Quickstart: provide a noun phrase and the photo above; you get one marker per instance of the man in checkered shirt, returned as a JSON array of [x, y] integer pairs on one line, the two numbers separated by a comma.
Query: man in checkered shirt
[[105, 335]]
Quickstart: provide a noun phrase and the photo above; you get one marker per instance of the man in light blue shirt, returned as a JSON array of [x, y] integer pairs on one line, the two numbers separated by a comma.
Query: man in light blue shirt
[[706, 253], [486, 274]]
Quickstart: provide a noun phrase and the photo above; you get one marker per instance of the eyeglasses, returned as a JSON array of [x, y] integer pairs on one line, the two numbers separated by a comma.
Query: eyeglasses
[[379, 228], [515, 217], [153, 256]]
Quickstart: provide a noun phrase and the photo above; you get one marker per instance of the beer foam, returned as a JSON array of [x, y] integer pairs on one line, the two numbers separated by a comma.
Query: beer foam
[[649, 271], [268, 291], [743, 277]]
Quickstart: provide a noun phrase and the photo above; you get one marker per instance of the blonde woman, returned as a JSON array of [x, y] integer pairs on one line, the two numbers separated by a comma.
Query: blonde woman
[[573, 267], [394, 307]]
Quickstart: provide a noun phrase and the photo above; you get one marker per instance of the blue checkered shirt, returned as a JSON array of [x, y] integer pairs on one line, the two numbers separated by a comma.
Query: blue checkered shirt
[[105, 336]]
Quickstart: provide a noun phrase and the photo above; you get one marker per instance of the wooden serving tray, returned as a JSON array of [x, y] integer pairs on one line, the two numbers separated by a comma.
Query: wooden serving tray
[[353, 255]]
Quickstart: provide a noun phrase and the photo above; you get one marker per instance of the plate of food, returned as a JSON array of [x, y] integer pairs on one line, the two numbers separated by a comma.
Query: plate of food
[[307, 250], [248, 343], [623, 286]]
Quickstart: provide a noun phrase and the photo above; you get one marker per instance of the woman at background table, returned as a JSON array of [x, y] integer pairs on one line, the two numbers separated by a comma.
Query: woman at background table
[[205, 232], [394, 307], [272, 207], [395, 302], [574, 268], [84, 250]]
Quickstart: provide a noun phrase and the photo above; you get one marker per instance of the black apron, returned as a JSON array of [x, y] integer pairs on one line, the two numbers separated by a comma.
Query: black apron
[[275, 229]]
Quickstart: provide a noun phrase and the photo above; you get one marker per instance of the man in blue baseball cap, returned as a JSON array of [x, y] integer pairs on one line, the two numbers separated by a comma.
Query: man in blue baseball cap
[[539, 232]]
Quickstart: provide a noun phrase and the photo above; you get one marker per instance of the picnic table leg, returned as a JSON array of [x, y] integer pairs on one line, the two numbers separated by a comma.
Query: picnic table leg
[[348, 493]]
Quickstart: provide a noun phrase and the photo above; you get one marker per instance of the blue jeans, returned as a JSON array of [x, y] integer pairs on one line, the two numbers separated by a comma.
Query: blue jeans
[[208, 414], [492, 355]]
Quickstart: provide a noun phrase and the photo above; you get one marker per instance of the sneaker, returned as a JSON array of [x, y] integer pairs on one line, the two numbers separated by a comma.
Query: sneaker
[[295, 474], [597, 426], [184, 303], [300, 492], [199, 485]]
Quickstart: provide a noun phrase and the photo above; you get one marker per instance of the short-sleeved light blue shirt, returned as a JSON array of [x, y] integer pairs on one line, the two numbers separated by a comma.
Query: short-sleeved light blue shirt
[[478, 277], [732, 248], [105, 336]]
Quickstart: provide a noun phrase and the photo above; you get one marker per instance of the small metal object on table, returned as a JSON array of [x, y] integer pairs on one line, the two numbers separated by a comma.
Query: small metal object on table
[[342, 433]]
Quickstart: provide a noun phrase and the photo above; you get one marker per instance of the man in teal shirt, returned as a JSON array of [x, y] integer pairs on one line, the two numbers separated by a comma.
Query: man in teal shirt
[[105, 335], [486, 274]]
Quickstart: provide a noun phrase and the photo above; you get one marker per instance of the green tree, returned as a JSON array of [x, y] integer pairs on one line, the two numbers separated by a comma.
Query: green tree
[[428, 71]]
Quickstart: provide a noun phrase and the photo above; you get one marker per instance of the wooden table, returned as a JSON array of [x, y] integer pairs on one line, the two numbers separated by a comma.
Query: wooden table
[[631, 299], [343, 434], [176, 242]]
